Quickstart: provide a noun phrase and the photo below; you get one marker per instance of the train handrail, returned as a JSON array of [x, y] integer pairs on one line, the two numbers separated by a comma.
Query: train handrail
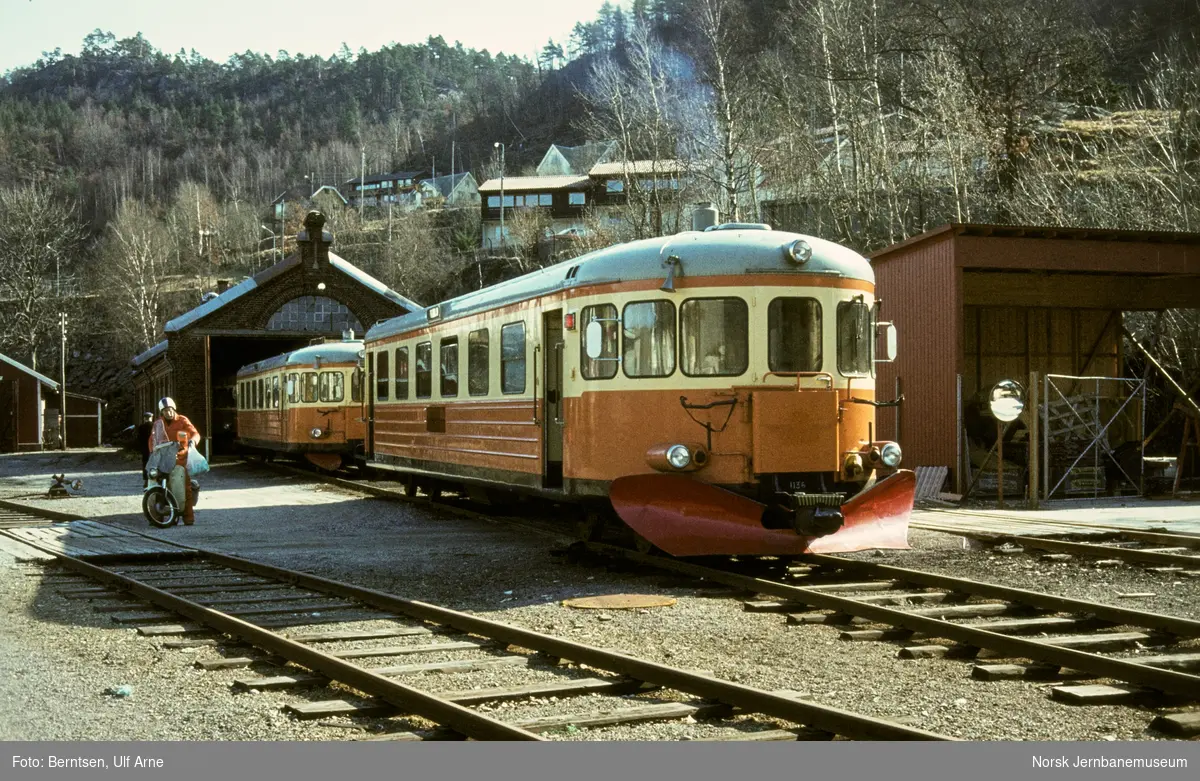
[[537, 348], [798, 375]]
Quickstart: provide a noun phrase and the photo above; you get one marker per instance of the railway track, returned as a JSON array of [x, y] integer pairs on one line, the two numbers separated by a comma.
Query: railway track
[[1039, 636], [371, 643], [1161, 551]]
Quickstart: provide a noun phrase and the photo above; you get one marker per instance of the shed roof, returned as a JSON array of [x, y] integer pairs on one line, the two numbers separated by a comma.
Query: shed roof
[[43, 379], [263, 277], [149, 355], [1037, 232]]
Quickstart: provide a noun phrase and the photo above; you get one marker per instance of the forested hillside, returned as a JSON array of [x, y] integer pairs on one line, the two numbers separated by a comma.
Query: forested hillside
[[144, 175]]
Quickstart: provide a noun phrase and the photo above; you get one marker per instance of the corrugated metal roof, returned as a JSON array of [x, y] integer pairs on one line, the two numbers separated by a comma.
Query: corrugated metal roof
[[328, 352], [150, 354], [368, 281], [705, 253], [636, 167], [524, 183], [43, 379]]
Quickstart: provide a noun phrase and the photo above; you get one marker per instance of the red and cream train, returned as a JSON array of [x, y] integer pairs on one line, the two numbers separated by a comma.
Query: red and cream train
[[715, 388]]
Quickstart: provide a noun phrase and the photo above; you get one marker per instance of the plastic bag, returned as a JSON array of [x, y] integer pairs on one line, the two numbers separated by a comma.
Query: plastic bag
[[197, 464]]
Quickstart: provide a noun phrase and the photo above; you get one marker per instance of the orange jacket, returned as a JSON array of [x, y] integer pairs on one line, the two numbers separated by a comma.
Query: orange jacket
[[164, 432]]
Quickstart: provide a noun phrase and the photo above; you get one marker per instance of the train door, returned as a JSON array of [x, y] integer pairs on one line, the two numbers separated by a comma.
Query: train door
[[368, 405], [552, 411]]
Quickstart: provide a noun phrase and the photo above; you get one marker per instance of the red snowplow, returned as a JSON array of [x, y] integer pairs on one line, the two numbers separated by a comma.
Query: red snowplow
[[686, 517]]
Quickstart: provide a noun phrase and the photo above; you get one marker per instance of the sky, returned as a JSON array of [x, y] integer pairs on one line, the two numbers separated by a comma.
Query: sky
[[219, 28]]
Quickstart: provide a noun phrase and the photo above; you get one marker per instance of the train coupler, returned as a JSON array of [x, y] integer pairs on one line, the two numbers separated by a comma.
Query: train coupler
[[816, 515]]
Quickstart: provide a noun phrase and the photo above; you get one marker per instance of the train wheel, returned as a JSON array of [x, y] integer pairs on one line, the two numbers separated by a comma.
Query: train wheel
[[644, 546], [590, 526]]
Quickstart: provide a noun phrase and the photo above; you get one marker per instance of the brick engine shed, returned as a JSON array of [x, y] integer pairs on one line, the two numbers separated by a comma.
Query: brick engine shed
[[312, 295]]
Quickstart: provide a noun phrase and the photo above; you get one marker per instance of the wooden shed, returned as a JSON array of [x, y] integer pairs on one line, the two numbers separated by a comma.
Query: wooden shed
[[23, 398], [974, 304]]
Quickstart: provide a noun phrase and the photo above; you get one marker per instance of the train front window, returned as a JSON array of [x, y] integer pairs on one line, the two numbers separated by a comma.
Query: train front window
[[648, 339], [308, 387], [449, 367], [477, 362], [794, 335], [356, 383], [401, 373], [715, 335], [854, 337], [424, 370], [382, 376], [512, 358], [603, 367], [332, 386]]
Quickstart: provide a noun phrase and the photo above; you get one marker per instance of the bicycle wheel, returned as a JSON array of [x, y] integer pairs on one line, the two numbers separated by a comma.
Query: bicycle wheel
[[159, 507]]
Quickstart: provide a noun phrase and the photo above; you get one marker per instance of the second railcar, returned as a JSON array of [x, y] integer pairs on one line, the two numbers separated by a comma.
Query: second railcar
[[305, 403]]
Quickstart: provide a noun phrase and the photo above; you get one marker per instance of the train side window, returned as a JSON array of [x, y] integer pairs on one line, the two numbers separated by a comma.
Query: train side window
[[648, 339], [382, 376], [402, 373], [714, 336], [449, 367], [293, 388], [332, 386], [477, 362], [855, 337], [356, 383], [512, 358], [258, 394], [424, 370], [275, 392], [605, 366], [308, 386], [794, 335]]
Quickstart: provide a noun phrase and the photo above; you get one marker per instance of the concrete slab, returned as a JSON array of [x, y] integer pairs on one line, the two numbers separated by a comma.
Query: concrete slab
[[1099, 516]]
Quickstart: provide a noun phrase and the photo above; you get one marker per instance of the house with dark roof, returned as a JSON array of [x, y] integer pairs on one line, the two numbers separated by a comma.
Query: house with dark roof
[[382, 189]]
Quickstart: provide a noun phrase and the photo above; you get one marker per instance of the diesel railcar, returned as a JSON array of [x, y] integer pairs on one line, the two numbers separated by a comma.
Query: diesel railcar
[[715, 388], [305, 403]]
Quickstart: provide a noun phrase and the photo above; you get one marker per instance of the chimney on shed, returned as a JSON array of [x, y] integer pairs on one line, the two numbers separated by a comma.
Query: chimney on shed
[[223, 285], [314, 242]]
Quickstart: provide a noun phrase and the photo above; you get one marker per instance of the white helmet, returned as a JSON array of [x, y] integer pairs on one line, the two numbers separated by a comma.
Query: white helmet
[[166, 401]]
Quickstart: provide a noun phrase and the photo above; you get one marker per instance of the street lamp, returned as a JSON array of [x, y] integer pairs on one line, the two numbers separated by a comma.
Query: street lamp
[[500, 146], [268, 230]]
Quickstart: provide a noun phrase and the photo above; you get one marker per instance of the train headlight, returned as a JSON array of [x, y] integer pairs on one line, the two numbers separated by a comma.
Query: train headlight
[[890, 455], [799, 251], [316, 433], [679, 456]]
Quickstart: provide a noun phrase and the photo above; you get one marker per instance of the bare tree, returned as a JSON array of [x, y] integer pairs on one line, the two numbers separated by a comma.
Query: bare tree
[[646, 102], [39, 240], [137, 256]]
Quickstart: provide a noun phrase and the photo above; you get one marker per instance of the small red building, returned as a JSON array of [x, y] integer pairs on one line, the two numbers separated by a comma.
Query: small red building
[[974, 304]]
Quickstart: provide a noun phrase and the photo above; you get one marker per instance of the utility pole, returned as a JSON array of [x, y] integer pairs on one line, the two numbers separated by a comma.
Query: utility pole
[[62, 387], [500, 146]]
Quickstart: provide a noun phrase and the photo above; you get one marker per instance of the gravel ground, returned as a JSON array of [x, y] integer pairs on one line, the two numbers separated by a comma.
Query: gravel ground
[[59, 659]]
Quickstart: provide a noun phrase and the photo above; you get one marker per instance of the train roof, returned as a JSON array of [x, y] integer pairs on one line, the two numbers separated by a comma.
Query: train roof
[[329, 352], [701, 253]]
